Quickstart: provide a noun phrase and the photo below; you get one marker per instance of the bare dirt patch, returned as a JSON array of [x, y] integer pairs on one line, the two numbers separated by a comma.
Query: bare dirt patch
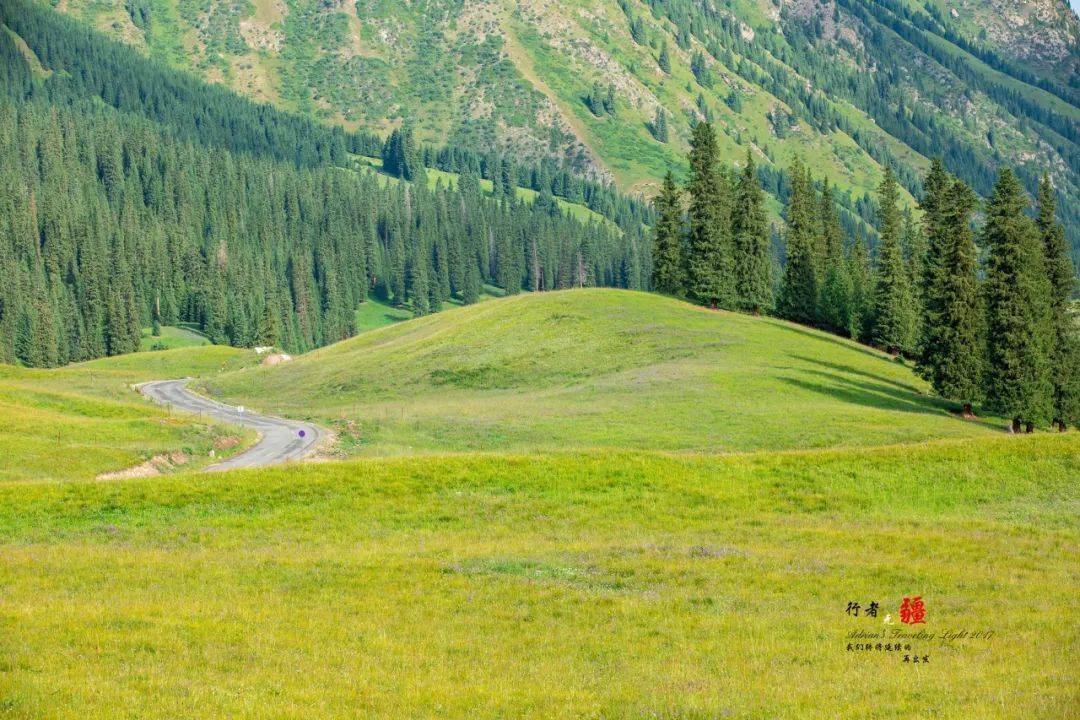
[[154, 466]]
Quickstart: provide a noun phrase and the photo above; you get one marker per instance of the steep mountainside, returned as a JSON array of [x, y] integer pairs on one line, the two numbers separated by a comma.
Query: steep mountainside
[[847, 84]]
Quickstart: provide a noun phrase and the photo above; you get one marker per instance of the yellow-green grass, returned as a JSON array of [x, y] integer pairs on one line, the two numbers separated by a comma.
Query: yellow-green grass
[[83, 420], [613, 585], [599, 369], [171, 338]]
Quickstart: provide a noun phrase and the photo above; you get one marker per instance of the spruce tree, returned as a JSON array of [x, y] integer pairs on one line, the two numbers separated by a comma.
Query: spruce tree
[[749, 229], [834, 306], [419, 292], [709, 261], [936, 190], [664, 60], [269, 330], [799, 290], [862, 290], [952, 355], [659, 127], [1019, 384], [1065, 355], [893, 309], [668, 271], [471, 292]]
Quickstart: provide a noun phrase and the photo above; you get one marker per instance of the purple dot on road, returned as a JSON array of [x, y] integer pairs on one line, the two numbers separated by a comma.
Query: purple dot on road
[[302, 433]]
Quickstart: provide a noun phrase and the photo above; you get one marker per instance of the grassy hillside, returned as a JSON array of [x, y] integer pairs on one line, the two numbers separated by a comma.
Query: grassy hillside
[[450, 180], [846, 84], [76, 422], [171, 338], [607, 585], [598, 368]]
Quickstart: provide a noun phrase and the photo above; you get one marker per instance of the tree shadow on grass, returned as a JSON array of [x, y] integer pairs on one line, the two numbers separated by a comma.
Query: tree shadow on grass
[[823, 336], [848, 369], [878, 395]]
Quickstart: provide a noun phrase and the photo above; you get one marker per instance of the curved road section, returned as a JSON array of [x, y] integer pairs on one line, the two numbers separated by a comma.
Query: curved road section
[[280, 440]]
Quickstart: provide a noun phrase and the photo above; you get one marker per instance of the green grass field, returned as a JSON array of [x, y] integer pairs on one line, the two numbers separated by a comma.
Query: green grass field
[[171, 338], [590, 503], [614, 585], [599, 369], [85, 419]]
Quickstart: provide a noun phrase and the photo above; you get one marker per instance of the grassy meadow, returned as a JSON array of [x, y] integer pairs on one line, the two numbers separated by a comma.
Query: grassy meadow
[[614, 585], [591, 503], [171, 338], [85, 419], [593, 369]]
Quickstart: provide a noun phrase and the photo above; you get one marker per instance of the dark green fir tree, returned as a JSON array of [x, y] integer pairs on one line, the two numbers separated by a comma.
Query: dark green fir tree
[[1065, 355], [799, 290], [835, 305], [952, 354], [669, 274], [1019, 332], [750, 232], [709, 261], [894, 319]]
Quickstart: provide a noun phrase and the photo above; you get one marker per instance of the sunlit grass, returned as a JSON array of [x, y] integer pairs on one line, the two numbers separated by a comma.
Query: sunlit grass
[[171, 338], [599, 368], [86, 419], [596, 585]]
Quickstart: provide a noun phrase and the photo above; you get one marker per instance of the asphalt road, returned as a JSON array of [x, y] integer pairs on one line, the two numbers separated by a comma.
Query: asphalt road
[[280, 440]]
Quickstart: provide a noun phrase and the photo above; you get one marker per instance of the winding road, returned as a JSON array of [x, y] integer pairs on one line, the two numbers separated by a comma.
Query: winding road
[[280, 440]]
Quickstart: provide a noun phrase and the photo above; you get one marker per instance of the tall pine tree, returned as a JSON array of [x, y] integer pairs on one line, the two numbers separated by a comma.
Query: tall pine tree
[[668, 271], [799, 289], [952, 353], [893, 308], [1019, 344], [1065, 355], [709, 262], [834, 307], [750, 231]]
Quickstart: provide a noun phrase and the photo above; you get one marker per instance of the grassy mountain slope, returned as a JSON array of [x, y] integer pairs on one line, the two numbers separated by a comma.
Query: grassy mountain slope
[[76, 422], [847, 84], [494, 587], [1041, 34], [598, 368]]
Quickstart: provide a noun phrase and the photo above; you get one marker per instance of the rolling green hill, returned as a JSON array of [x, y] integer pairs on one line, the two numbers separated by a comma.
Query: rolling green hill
[[598, 368], [846, 84]]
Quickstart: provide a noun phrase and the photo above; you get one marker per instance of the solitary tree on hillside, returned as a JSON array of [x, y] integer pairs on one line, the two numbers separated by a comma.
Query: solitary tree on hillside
[[1065, 357], [952, 356], [659, 126], [664, 61], [893, 312], [750, 231], [799, 290], [1018, 307], [669, 274]]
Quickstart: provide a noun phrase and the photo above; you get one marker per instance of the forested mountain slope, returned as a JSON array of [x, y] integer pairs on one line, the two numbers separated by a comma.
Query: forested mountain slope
[[132, 194], [615, 85]]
